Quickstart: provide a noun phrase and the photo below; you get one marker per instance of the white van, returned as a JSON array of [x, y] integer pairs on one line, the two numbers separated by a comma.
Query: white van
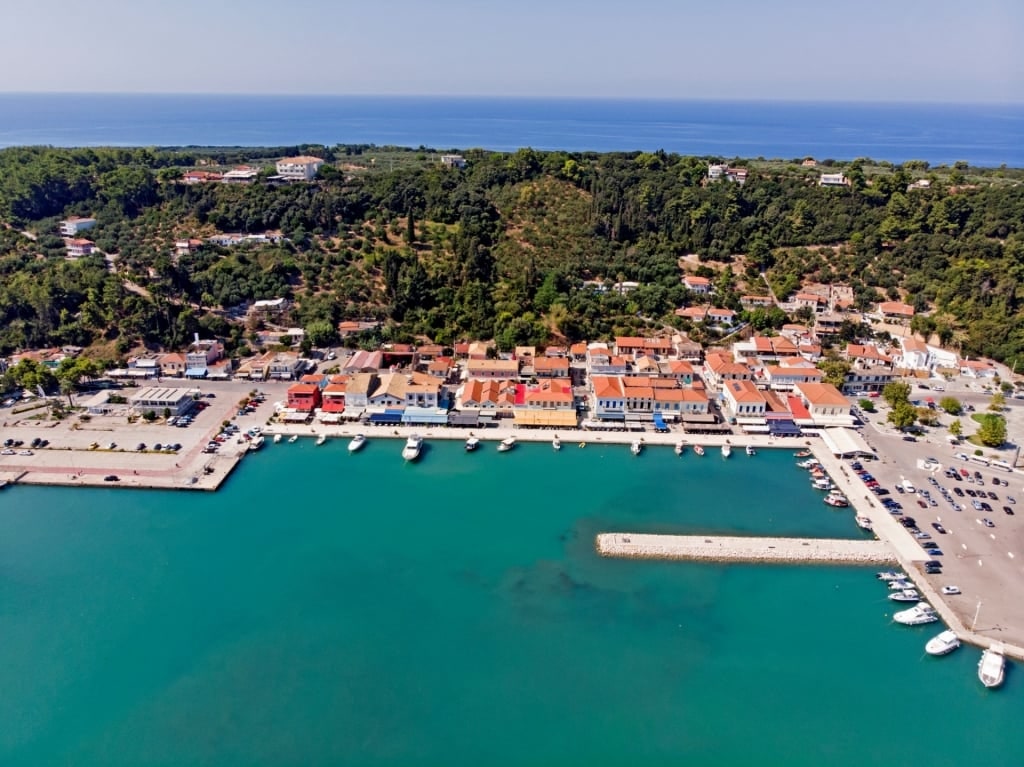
[[908, 486]]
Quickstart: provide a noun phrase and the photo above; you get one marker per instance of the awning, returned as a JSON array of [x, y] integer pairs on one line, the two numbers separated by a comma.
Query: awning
[[387, 417], [294, 416], [565, 419], [425, 415], [593, 424], [754, 428], [659, 422], [845, 442], [195, 373], [465, 418], [784, 428]]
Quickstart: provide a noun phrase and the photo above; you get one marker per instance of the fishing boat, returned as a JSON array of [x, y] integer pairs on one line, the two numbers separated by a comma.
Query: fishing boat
[[917, 615], [750, 450], [680, 447], [357, 443], [412, 448], [321, 440], [256, 443], [726, 451], [556, 443], [278, 438], [942, 644], [698, 450], [472, 444], [992, 666], [293, 438], [838, 500], [636, 447], [905, 595], [864, 523], [506, 444], [801, 453]]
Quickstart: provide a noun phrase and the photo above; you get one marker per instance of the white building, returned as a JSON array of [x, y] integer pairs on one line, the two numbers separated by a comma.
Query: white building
[[70, 227], [833, 179], [302, 168], [453, 161], [157, 399]]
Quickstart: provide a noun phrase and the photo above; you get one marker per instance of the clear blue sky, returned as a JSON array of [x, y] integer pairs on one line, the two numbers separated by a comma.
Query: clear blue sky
[[931, 50]]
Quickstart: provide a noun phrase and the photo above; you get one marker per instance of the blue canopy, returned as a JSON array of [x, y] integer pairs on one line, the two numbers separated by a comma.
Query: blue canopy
[[659, 422]]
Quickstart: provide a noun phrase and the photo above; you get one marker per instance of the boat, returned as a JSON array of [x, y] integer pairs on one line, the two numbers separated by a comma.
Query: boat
[[890, 575], [750, 450], [278, 438], [472, 444], [917, 615], [636, 447], [900, 585], [823, 483], [942, 644], [837, 499], [321, 439], [992, 666], [698, 450], [506, 444], [810, 463], [905, 595], [412, 448], [357, 443], [256, 442], [293, 438], [801, 453], [726, 451], [864, 523], [680, 447], [556, 444]]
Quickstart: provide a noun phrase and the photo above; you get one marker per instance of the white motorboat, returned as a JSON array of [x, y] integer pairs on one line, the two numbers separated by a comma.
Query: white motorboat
[[942, 644], [680, 447], [506, 444], [917, 615], [750, 450], [256, 442], [992, 666], [698, 449], [810, 463], [836, 499], [556, 444], [357, 443], [636, 447], [864, 523], [278, 438], [823, 483], [905, 595], [321, 440], [890, 575], [472, 443], [413, 447], [726, 451], [951, 590], [293, 438], [899, 585]]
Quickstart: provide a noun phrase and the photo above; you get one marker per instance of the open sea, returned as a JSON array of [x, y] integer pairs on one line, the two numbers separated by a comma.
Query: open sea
[[982, 135], [326, 608]]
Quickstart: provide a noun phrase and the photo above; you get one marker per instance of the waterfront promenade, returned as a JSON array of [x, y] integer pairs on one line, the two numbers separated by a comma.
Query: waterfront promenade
[[721, 548]]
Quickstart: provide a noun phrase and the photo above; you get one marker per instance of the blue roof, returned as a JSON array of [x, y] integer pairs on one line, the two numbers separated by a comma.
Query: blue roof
[[195, 372], [659, 421]]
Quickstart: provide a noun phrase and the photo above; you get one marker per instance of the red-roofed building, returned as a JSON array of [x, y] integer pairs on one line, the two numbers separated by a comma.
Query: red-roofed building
[[695, 284], [201, 177], [743, 399], [608, 397], [551, 394], [720, 367], [825, 403], [551, 367], [490, 395], [895, 310], [304, 397], [333, 395], [77, 247]]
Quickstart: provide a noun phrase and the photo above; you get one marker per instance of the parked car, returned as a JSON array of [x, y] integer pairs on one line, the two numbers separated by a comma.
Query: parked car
[[987, 522], [939, 528]]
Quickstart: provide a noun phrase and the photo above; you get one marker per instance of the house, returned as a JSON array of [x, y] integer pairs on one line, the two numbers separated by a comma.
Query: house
[[347, 328], [77, 247], [978, 369], [551, 367], [333, 395], [695, 284], [550, 394], [608, 398], [363, 361], [719, 316], [172, 364], [302, 168], [753, 302], [304, 397], [392, 390], [200, 356], [679, 371], [811, 300], [833, 179], [828, 324], [71, 226], [913, 354], [256, 367], [498, 397], [781, 378], [743, 398], [269, 307], [628, 286], [158, 399], [442, 368], [895, 310], [186, 247], [719, 367], [921, 183], [866, 355], [201, 177], [243, 174], [485, 368], [717, 171], [825, 403], [632, 345], [453, 161], [693, 313], [285, 366], [809, 162], [578, 352], [865, 378], [600, 361]]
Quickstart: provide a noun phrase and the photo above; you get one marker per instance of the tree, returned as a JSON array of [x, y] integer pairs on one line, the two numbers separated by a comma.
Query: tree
[[835, 371], [896, 392], [902, 415], [868, 406], [998, 402], [951, 405], [321, 333], [927, 417], [992, 430], [956, 428]]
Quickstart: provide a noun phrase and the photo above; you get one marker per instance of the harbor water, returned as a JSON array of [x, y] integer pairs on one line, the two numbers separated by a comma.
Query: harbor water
[[331, 608]]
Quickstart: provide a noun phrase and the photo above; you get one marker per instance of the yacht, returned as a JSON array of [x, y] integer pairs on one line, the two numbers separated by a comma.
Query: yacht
[[278, 438], [256, 442], [698, 450], [864, 523], [890, 575], [810, 463], [992, 666], [293, 438], [950, 590], [822, 484], [556, 443], [917, 615], [750, 450], [357, 443], [836, 499], [726, 451], [680, 447], [899, 585], [472, 444], [943, 644], [412, 448], [321, 439], [636, 447], [506, 444], [905, 595]]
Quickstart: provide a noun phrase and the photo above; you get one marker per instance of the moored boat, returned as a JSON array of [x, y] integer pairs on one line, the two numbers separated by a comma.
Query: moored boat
[[412, 448], [680, 447], [836, 499], [822, 483], [321, 440], [890, 575], [942, 644], [256, 442], [698, 450], [472, 444], [864, 523], [992, 666], [905, 595], [278, 438], [917, 615], [357, 443], [636, 447], [293, 438], [506, 444], [750, 450], [556, 443], [726, 451], [801, 453]]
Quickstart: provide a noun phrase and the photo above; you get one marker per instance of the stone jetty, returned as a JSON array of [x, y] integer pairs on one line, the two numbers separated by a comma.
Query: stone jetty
[[718, 548]]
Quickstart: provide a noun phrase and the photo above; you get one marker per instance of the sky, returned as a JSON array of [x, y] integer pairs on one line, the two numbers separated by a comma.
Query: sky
[[873, 50]]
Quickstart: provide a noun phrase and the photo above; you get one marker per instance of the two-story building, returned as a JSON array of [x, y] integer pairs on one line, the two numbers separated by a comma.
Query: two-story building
[[742, 399], [77, 247], [302, 168], [304, 397], [825, 403], [200, 356], [695, 284], [71, 226], [608, 398], [485, 368]]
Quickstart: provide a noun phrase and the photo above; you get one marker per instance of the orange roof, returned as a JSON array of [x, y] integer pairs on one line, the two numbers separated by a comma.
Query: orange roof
[[607, 386], [692, 279], [639, 392], [301, 388], [551, 363], [669, 395], [334, 389], [744, 391], [896, 307], [821, 394]]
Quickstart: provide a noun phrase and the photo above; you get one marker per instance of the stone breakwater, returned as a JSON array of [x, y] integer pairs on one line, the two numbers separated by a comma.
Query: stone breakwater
[[717, 548]]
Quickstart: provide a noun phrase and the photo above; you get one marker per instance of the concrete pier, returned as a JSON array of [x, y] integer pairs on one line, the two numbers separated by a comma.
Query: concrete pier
[[718, 548]]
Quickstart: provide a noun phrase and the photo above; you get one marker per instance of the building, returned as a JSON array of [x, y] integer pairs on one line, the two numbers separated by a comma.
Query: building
[[718, 316], [754, 302], [484, 368], [498, 397], [302, 168], [720, 367], [895, 310], [157, 399], [78, 247], [742, 398], [172, 364], [304, 397], [825, 403], [257, 367], [864, 378], [551, 367], [333, 395], [627, 346], [270, 307], [201, 177], [607, 398], [695, 284], [70, 227], [781, 378], [186, 247], [453, 161], [200, 356], [718, 171], [812, 301], [914, 354], [285, 366], [833, 179], [978, 369], [243, 174]]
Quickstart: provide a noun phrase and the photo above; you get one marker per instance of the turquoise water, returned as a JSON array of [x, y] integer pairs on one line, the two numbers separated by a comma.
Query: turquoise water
[[328, 608]]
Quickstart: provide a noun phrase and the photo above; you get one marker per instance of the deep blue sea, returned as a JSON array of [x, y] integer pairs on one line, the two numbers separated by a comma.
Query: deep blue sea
[[982, 135]]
